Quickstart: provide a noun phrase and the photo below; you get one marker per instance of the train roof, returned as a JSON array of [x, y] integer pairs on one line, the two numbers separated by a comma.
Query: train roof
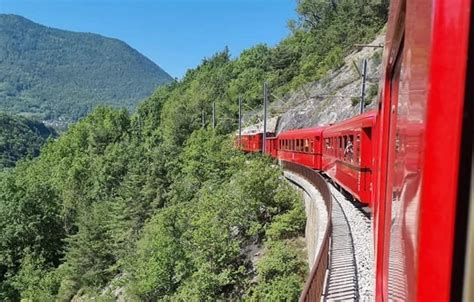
[[305, 132], [366, 119]]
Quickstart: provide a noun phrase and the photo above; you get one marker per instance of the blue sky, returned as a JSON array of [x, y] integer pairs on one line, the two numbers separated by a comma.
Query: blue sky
[[176, 34]]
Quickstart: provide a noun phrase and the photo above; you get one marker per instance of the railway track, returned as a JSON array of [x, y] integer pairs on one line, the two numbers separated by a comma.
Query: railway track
[[344, 269], [342, 280], [350, 259]]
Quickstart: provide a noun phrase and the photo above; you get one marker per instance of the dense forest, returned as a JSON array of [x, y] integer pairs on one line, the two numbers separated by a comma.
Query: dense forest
[[21, 137], [55, 74], [155, 205]]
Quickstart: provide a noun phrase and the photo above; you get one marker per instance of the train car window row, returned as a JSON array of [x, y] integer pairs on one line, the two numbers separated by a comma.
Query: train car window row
[[297, 145], [343, 147]]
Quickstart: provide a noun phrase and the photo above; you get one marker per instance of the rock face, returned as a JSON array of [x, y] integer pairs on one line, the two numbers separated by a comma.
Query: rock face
[[334, 98]]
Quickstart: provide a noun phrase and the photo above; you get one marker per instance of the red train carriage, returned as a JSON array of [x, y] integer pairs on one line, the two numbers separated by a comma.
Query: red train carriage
[[302, 146], [348, 152], [424, 153], [250, 142]]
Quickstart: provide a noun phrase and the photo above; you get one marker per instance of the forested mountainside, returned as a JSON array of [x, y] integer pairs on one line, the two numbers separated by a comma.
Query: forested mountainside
[[153, 206], [20, 137], [56, 74]]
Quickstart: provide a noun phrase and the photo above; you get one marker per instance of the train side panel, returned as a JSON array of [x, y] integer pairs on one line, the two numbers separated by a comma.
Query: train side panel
[[347, 155], [301, 146], [250, 142], [271, 146], [420, 118]]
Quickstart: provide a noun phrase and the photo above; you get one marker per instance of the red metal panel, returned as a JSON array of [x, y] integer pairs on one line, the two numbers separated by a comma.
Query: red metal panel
[[394, 35], [251, 142], [271, 146], [444, 120], [418, 147]]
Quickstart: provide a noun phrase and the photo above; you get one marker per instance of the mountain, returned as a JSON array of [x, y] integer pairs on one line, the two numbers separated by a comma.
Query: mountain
[[55, 74], [20, 137]]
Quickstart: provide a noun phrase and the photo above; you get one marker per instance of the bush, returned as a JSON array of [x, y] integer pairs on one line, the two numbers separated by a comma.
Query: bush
[[355, 101], [372, 93], [288, 225], [35, 282], [281, 273]]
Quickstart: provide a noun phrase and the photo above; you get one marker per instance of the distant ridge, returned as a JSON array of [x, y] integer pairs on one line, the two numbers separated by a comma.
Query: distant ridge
[[20, 137], [56, 75]]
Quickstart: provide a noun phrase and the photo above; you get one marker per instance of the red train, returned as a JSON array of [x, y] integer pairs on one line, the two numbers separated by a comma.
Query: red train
[[343, 151], [411, 158]]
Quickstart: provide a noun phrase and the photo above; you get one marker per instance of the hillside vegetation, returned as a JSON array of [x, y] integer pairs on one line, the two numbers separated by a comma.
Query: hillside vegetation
[[20, 137], [153, 206], [53, 74]]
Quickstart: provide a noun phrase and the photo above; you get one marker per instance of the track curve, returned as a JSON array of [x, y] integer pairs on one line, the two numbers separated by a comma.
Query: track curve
[[342, 281]]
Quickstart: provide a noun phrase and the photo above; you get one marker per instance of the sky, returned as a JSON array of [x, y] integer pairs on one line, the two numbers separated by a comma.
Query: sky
[[175, 34]]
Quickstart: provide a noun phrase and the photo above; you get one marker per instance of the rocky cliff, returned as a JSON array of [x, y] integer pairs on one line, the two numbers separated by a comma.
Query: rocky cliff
[[334, 98]]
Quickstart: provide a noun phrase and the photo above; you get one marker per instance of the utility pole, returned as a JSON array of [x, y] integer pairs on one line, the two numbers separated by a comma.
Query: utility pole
[[202, 118], [362, 92], [265, 97], [213, 115], [240, 122]]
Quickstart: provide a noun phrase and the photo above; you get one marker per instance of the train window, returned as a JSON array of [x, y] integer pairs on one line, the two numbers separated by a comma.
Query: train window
[[357, 149], [349, 148], [341, 146], [306, 145]]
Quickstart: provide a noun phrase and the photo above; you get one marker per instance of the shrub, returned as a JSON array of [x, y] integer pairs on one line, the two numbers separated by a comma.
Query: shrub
[[288, 225], [280, 272]]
